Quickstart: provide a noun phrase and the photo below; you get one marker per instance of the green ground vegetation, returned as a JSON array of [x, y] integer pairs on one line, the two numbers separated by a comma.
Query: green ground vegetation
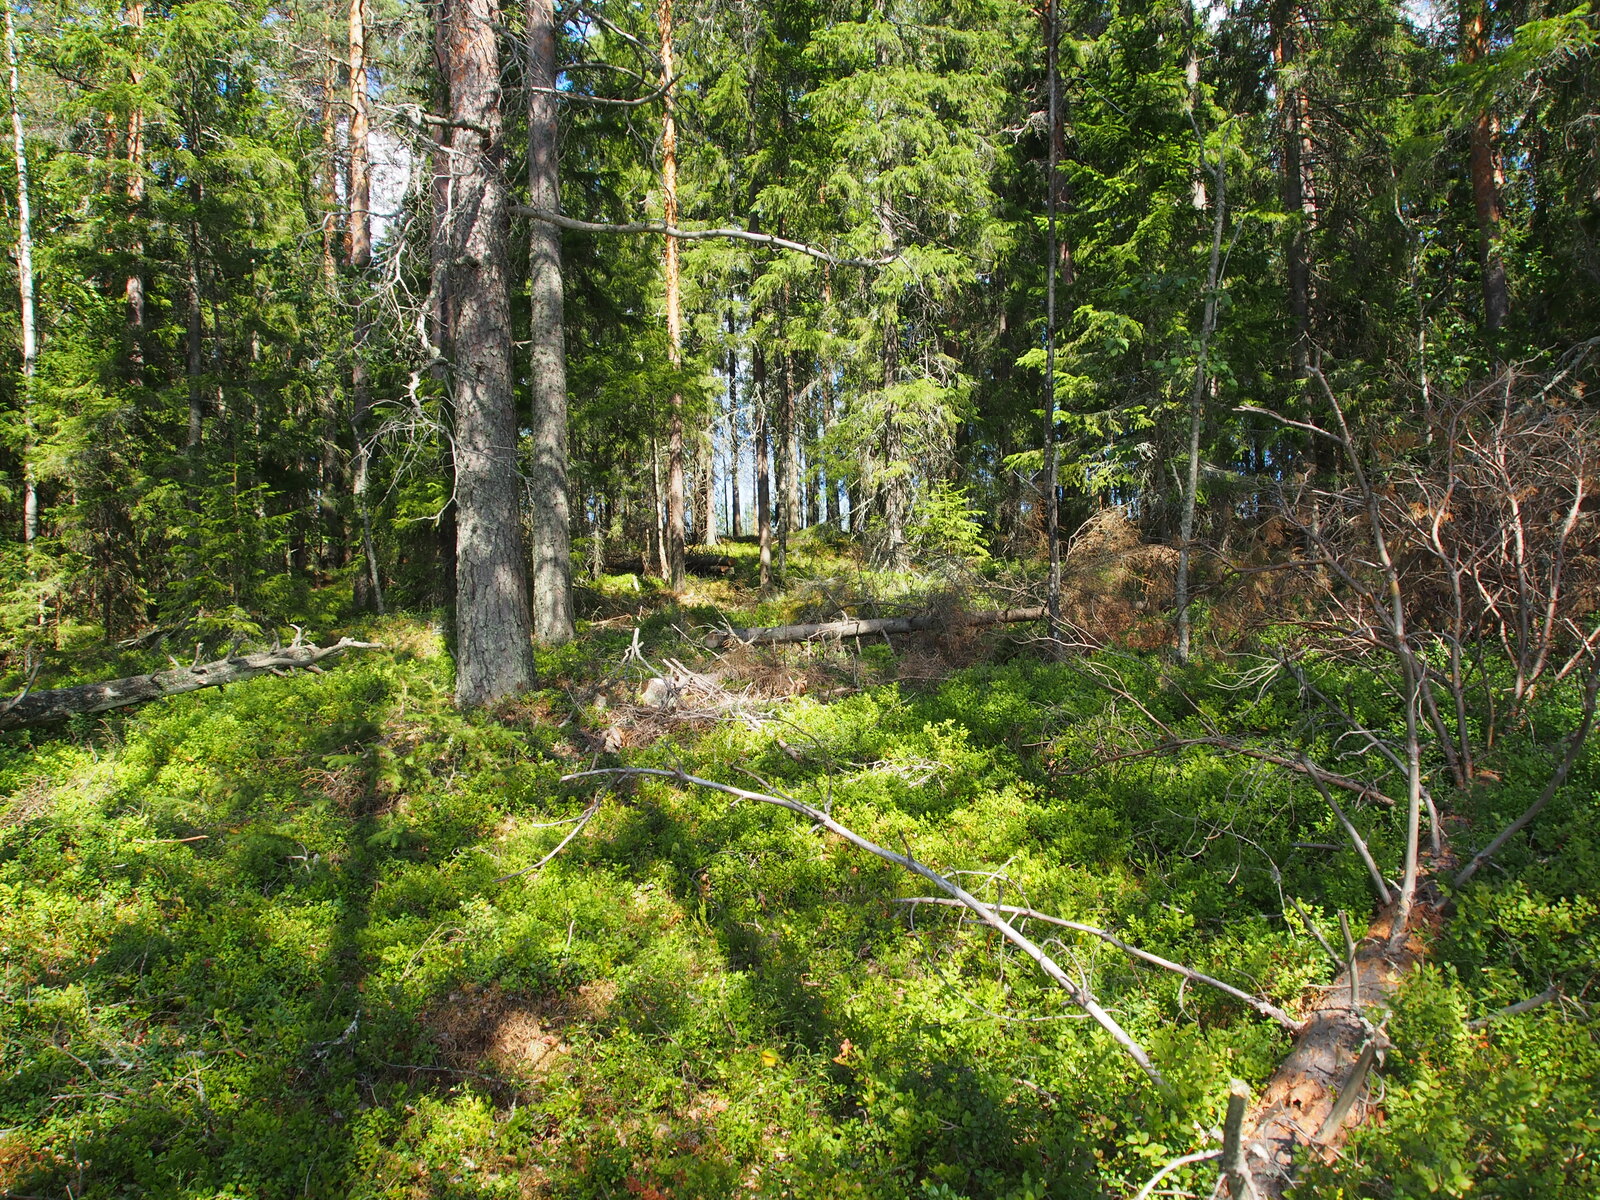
[[257, 942]]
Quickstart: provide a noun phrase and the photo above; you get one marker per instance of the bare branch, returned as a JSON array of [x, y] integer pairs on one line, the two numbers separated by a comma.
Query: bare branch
[[1512, 1010], [697, 235], [1270, 1011], [1079, 993]]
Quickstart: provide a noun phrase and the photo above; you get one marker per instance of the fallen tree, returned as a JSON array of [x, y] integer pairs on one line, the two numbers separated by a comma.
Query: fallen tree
[[30, 708], [863, 627]]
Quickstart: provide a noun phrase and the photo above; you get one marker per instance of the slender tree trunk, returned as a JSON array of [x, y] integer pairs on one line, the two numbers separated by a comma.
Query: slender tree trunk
[[788, 468], [328, 173], [551, 518], [1052, 502], [369, 585], [669, 190], [1484, 168], [30, 327], [195, 357], [896, 484], [1292, 111], [1208, 324], [733, 433], [494, 653], [133, 287], [826, 506], [758, 400]]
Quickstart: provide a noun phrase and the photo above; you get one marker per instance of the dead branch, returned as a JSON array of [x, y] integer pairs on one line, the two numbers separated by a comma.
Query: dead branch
[[697, 235], [1513, 1010], [57, 704], [1271, 1011], [1079, 992], [867, 626], [1300, 765]]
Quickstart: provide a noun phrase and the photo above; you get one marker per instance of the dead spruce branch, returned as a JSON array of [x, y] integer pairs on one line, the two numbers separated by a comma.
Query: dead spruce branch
[[1077, 991]]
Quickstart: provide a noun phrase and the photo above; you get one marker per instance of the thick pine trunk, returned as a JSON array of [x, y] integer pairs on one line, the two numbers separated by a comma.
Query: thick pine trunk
[[551, 517], [494, 652]]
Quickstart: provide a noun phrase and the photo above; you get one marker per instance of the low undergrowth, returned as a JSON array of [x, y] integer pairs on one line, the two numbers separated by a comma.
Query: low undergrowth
[[262, 943]]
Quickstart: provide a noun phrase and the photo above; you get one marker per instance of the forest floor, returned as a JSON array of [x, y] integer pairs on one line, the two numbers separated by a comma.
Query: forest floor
[[282, 939]]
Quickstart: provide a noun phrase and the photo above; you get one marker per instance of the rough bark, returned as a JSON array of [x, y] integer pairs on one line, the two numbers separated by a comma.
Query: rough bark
[[1295, 139], [1290, 1123], [57, 704], [876, 625], [369, 584], [494, 652], [358, 242], [548, 482], [669, 192], [1483, 166]]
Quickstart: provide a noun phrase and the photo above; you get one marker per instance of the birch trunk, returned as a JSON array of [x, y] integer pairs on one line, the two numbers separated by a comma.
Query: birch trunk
[[30, 327]]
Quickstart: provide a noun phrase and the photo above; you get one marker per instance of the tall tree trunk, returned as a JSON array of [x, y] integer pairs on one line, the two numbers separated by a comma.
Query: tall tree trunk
[[494, 652], [195, 356], [1052, 506], [133, 287], [705, 517], [369, 584], [1484, 168], [788, 468], [552, 516], [758, 401], [669, 191], [1208, 325], [733, 434], [328, 172], [1299, 202], [896, 482], [30, 328]]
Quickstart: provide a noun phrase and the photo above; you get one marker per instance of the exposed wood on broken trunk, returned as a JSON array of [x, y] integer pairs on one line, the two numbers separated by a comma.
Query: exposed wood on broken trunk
[[1302, 1112], [878, 625], [57, 704]]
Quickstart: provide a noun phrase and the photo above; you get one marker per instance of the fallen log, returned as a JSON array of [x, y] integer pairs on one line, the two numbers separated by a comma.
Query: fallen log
[[57, 704], [1302, 1113], [695, 564], [873, 625]]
